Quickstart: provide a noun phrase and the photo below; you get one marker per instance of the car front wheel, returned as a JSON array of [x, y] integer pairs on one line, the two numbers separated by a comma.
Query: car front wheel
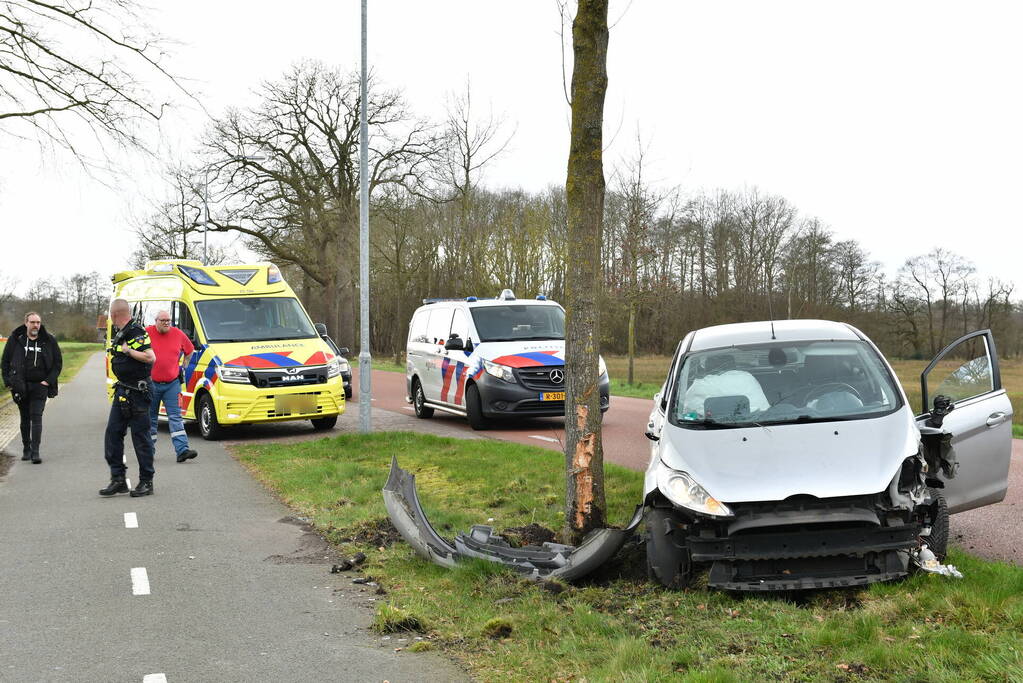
[[474, 408], [324, 423], [209, 426], [667, 554]]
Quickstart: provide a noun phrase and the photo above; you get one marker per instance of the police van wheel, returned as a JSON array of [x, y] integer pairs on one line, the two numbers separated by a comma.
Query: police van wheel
[[209, 427], [423, 411], [323, 423], [474, 409]]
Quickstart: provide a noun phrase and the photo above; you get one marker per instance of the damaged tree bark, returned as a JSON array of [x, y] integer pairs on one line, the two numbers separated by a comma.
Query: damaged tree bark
[[584, 456]]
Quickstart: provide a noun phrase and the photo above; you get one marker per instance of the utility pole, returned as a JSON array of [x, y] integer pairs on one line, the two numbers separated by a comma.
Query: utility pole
[[365, 395]]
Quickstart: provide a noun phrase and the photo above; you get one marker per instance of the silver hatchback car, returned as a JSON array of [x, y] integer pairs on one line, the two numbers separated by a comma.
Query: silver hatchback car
[[786, 455]]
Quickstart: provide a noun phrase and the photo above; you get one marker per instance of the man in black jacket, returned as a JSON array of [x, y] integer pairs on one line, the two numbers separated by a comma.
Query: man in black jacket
[[31, 364]]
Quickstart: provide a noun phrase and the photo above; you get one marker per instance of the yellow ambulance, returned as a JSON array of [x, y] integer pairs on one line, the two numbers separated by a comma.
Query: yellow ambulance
[[258, 357]]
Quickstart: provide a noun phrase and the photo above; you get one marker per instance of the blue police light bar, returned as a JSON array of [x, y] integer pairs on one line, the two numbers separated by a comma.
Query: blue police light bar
[[471, 298], [541, 297]]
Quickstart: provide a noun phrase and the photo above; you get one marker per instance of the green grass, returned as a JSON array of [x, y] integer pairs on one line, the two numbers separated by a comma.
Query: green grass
[[75, 354], [618, 626], [385, 364]]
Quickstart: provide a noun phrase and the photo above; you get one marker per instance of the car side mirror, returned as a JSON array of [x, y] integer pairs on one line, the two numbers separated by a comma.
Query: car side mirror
[[344, 351], [454, 343], [321, 329], [942, 407]]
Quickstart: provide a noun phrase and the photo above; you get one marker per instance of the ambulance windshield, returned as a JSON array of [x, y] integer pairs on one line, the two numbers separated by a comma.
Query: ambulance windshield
[[254, 319]]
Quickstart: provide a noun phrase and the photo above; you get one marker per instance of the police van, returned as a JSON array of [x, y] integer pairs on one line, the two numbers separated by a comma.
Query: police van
[[489, 358], [258, 357]]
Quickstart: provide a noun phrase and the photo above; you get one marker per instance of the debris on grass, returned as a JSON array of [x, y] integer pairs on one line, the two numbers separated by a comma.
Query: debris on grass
[[420, 646]]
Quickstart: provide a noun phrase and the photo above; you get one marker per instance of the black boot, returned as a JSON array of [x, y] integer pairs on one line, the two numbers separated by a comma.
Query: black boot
[[36, 459], [144, 488], [26, 453], [187, 454], [116, 485]]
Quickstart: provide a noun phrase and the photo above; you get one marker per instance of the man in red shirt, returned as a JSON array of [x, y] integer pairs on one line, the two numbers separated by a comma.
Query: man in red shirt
[[169, 343]]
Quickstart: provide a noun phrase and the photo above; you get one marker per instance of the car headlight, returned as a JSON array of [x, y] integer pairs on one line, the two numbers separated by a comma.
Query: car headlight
[[333, 367], [343, 366], [233, 375], [601, 366], [682, 490], [499, 371]]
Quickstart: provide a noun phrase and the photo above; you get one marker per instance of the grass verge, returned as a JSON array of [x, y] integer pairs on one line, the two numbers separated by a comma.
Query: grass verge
[[617, 625], [75, 354]]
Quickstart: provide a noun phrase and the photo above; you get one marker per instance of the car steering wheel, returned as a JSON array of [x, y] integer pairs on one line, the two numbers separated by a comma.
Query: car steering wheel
[[822, 389]]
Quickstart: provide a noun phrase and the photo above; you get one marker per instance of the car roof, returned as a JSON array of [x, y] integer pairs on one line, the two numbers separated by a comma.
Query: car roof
[[739, 334], [481, 303]]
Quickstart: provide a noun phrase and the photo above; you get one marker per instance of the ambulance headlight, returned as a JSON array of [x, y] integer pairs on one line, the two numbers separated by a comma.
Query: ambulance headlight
[[682, 490], [499, 371], [233, 375], [334, 367]]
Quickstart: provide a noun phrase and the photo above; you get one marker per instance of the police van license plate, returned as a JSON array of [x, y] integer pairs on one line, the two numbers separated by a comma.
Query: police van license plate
[[294, 404], [552, 396]]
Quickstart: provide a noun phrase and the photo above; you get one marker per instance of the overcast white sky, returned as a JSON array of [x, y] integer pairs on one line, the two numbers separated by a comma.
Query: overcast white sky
[[897, 124]]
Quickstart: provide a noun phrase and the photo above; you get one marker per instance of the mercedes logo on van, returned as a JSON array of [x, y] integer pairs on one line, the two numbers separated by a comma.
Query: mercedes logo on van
[[557, 376]]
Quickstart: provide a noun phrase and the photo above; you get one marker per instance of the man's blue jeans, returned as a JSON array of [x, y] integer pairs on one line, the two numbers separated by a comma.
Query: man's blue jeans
[[167, 392]]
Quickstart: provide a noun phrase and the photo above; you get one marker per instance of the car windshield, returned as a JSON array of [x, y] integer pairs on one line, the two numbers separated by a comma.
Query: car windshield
[[515, 322], [782, 383], [254, 319]]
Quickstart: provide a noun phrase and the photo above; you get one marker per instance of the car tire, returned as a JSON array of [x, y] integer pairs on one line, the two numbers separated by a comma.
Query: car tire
[[324, 423], [209, 426], [423, 411], [474, 409], [938, 540], [667, 555]]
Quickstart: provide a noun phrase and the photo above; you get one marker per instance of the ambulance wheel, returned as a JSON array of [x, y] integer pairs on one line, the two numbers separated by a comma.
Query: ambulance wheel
[[209, 426], [423, 411], [474, 409], [667, 554], [323, 423]]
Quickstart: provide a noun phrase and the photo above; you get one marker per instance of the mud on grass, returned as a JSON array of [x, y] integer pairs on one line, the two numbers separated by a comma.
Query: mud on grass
[[615, 624]]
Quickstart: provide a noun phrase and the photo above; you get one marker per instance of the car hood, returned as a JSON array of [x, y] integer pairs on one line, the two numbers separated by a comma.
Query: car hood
[[523, 354], [824, 459]]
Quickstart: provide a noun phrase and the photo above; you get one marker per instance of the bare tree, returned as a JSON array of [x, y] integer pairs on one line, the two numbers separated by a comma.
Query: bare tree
[[584, 454], [72, 68], [300, 205]]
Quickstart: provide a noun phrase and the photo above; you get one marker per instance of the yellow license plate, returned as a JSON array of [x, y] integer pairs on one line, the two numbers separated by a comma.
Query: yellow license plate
[[295, 404], [552, 396]]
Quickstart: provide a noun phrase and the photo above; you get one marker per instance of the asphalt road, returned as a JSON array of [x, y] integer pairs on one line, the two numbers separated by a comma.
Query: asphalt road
[[992, 532], [238, 590]]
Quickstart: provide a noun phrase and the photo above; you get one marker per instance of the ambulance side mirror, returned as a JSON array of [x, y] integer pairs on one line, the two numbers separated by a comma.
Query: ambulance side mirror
[[321, 329]]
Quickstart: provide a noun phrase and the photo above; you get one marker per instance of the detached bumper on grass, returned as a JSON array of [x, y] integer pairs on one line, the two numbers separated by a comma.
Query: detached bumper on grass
[[548, 560]]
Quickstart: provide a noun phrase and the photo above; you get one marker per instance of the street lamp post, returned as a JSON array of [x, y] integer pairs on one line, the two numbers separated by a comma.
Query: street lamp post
[[365, 393], [206, 193]]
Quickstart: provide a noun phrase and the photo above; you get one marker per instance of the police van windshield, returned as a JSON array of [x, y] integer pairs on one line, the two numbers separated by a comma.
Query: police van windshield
[[254, 319], [517, 322], [782, 383]]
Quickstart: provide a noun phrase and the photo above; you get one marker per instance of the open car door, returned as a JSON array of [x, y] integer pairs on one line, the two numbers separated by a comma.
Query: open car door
[[977, 432]]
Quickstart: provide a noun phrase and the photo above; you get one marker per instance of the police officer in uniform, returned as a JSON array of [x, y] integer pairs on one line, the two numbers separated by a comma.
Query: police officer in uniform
[[130, 359]]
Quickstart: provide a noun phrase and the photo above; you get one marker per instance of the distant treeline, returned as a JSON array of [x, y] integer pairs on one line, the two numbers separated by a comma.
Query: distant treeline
[[283, 176], [69, 306]]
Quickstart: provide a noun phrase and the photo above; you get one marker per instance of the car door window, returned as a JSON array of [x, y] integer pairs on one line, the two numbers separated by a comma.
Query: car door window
[[417, 330], [181, 318], [966, 368], [459, 325], [438, 326]]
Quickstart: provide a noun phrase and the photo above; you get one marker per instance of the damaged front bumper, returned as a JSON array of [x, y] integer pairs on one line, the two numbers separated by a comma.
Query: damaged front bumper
[[550, 560]]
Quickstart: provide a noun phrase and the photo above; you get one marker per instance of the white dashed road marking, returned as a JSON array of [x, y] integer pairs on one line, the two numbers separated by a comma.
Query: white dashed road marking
[[131, 520], [543, 438], [154, 678], [139, 581]]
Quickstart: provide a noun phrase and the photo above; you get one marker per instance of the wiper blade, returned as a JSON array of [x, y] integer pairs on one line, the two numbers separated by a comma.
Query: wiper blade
[[808, 419], [706, 423]]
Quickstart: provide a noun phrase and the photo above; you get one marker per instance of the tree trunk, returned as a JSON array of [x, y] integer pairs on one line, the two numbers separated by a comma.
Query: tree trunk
[[584, 455], [632, 339]]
